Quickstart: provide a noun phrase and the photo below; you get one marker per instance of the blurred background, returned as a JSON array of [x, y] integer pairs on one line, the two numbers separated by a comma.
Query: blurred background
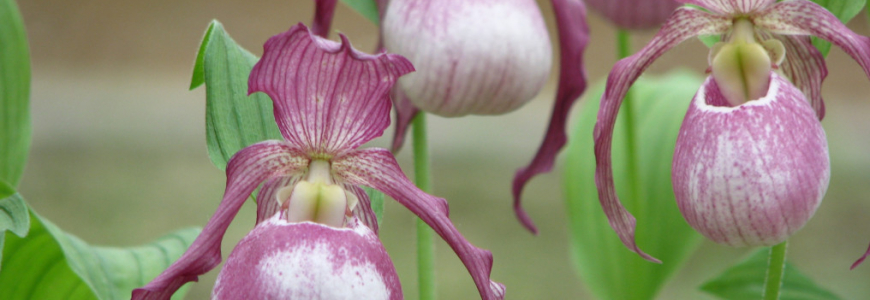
[[119, 155]]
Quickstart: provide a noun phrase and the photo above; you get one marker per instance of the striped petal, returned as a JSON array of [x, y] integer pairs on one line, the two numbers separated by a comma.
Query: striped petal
[[282, 260], [573, 38], [750, 175], [377, 168], [328, 98], [245, 171], [805, 66], [268, 203], [405, 113], [731, 7], [643, 14], [800, 17], [363, 210], [686, 22]]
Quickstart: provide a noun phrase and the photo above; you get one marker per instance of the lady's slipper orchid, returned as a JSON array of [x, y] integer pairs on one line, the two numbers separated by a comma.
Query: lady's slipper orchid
[[634, 14], [328, 100], [749, 167]]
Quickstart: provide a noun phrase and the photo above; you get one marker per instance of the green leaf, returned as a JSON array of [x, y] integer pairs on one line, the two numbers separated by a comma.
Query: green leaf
[[746, 281], [50, 264], [845, 10], [377, 200], [233, 120], [710, 40], [14, 216], [607, 267], [14, 93], [367, 8]]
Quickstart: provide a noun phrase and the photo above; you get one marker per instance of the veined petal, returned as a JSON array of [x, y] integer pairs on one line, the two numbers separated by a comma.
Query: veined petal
[[363, 210], [686, 22], [805, 66], [323, 12], [405, 113], [753, 174], [800, 17], [267, 198], [282, 260], [377, 168], [573, 38], [245, 171], [634, 14], [328, 97], [730, 7]]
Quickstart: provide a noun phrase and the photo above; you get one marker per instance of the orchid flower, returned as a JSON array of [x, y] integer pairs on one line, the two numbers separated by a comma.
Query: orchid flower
[[486, 57], [634, 14], [315, 233], [751, 164]]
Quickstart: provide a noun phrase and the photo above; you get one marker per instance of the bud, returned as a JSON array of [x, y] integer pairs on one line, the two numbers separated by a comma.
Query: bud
[[472, 56], [283, 260], [635, 14], [752, 174]]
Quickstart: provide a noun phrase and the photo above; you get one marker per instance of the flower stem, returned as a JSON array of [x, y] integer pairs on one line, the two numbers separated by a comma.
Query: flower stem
[[775, 269], [425, 239], [623, 50]]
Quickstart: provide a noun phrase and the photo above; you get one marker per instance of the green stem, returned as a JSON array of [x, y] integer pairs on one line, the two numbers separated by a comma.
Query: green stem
[[775, 268], [425, 238], [623, 50]]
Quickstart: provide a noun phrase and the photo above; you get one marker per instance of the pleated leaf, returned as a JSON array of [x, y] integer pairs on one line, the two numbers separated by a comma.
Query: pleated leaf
[[50, 264], [746, 281], [366, 8], [13, 214], [233, 120], [14, 94], [605, 265], [845, 10]]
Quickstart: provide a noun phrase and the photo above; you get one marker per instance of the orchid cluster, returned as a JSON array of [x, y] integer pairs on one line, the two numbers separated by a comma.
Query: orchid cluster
[[750, 168]]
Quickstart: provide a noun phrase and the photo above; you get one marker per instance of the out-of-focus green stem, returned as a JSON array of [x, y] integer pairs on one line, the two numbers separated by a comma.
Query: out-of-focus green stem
[[425, 239], [775, 268], [623, 50]]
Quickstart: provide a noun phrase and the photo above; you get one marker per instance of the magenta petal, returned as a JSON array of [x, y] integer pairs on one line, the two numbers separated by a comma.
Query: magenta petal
[[750, 175], [573, 37], [642, 14], [805, 66], [267, 198], [730, 7], [377, 168], [323, 12], [860, 260], [281, 260], [405, 113], [245, 171], [800, 17], [363, 210], [686, 22], [328, 97]]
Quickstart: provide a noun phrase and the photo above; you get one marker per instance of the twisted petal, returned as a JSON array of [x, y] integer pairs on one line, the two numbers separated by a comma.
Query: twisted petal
[[323, 12], [730, 7], [327, 97], [686, 22], [405, 113], [642, 14], [267, 198], [805, 66], [363, 210], [800, 17], [750, 175], [573, 37], [245, 171], [861, 259], [281, 260], [377, 168]]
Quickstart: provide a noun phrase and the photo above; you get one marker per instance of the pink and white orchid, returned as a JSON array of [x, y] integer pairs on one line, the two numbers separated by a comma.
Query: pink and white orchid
[[751, 162], [634, 14], [316, 233]]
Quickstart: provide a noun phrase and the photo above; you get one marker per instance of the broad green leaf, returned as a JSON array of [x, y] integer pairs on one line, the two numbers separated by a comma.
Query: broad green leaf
[[377, 200], [233, 120], [50, 264], [845, 10], [746, 281], [14, 94], [367, 8], [13, 214], [607, 267]]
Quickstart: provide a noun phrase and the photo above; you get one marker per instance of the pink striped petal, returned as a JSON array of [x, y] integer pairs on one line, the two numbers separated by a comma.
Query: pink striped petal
[[324, 10], [805, 66], [573, 37], [267, 198], [686, 22], [245, 171], [750, 175], [281, 260], [328, 97], [405, 113], [363, 210], [800, 17], [731, 7], [377, 168], [643, 14]]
